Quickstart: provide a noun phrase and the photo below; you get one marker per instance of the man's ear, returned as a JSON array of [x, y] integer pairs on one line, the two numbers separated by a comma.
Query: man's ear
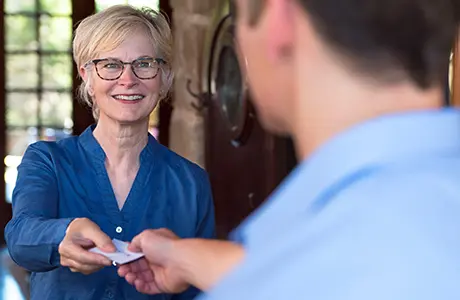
[[280, 14]]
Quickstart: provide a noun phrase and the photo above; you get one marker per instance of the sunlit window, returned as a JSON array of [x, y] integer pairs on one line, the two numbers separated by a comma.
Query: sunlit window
[[38, 77], [102, 4]]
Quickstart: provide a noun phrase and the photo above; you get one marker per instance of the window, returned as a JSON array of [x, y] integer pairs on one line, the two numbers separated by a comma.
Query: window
[[102, 4], [38, 77]]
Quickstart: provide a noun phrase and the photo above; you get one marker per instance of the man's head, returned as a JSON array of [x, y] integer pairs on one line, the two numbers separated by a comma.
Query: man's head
[[296, 45]]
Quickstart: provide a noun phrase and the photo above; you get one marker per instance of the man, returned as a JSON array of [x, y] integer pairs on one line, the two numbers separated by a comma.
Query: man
[[373, 210]]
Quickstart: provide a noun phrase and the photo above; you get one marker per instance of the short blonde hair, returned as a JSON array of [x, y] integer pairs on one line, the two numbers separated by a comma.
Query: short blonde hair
[[106, 30]]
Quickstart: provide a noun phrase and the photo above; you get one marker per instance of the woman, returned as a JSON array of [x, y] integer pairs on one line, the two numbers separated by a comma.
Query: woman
[[114, 180]]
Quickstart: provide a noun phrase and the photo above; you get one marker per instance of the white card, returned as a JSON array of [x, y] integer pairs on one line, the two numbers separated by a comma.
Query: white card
[[122, 255]]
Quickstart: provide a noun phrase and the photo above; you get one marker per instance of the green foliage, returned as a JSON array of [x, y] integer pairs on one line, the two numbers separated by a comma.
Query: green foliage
[[55, 64], [55, 33]]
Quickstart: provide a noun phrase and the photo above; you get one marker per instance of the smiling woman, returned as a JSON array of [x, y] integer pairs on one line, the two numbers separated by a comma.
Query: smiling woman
[[114, 180], [154, 4]]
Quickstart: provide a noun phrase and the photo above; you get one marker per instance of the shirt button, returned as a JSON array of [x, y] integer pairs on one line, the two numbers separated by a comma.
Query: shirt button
[[119, 229]]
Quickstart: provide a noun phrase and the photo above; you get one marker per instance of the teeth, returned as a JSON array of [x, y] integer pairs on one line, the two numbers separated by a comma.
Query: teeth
[[129, 98]]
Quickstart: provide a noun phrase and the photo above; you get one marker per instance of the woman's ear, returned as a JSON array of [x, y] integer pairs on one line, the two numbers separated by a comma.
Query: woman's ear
[[83, 73]]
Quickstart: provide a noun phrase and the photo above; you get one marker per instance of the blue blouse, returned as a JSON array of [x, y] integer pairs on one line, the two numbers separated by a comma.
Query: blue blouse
[[60, 181]]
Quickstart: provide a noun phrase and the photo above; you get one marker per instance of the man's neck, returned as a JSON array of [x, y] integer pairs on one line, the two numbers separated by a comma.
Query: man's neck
[[344, 103], [122, 143]]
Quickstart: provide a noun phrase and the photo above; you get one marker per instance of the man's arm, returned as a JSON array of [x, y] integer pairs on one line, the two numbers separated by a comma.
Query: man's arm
[[172, 264], [202, 263]]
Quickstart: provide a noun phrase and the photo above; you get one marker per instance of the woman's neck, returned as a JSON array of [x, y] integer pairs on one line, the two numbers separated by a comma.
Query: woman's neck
[[122, 143]]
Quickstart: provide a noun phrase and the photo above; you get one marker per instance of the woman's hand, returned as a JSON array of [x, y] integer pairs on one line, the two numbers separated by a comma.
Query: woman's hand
[[81, 235]]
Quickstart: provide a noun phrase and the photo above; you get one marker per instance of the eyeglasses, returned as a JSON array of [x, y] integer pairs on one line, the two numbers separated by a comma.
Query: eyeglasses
[[143, 68]]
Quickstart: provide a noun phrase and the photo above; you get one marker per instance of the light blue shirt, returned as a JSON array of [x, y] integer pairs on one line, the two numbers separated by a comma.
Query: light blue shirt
[[373, 214]]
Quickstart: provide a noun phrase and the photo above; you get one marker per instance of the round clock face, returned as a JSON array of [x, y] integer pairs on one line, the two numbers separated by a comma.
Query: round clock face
[[229, 85]]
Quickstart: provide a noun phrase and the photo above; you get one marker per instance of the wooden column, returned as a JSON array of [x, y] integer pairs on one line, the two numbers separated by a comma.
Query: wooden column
[[192, 19]]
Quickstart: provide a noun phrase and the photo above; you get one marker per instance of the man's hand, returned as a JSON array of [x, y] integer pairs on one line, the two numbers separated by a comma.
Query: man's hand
[[81, 235], [156, 273], [171, 264]]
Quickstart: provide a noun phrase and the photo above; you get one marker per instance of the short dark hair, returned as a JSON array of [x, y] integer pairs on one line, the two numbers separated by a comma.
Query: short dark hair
[[386, 39]]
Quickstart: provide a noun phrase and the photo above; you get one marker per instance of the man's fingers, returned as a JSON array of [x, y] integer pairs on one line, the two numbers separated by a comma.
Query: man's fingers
[[130, 277], [146, 287], [124, 270], [137, 266], [166, 233], [136, 243], [140, 265]]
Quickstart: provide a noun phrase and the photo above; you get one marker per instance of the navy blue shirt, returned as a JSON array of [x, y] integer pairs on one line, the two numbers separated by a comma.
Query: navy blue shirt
[[60, 181]]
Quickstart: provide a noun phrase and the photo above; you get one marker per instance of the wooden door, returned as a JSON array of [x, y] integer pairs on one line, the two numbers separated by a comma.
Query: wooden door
[[245, 163]]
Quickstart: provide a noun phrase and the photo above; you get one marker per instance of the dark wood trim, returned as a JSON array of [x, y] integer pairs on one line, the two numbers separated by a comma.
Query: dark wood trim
[[81, 114], [5, 208], [166, 107]]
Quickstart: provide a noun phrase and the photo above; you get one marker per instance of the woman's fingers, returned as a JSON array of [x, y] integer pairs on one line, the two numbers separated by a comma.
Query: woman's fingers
[[76, 266], [78, 254]]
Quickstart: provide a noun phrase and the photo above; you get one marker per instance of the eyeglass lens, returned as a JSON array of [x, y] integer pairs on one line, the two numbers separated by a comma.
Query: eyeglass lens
[[111, 69]]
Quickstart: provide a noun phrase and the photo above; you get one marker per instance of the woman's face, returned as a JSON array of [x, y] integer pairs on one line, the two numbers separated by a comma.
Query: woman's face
[[127, 98]]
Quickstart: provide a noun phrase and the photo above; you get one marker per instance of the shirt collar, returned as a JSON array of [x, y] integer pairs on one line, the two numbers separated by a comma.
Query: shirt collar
[[94, 149], [381, 141]]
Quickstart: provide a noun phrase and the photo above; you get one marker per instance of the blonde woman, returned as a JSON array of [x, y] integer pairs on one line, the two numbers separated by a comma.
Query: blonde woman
[[112, 181]]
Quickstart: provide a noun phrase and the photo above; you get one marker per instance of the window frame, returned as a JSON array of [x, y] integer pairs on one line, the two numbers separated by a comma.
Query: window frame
[[81, 116]]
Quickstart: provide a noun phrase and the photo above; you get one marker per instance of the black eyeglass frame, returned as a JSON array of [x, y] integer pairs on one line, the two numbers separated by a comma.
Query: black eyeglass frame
[[159, 61]]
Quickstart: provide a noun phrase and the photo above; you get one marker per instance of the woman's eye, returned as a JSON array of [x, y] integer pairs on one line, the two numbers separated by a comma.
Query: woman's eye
[[144, 64], [111, 66]]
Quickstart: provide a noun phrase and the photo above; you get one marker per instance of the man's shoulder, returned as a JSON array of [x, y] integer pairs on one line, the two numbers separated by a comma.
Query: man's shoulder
[[414, 184], [389, 235]]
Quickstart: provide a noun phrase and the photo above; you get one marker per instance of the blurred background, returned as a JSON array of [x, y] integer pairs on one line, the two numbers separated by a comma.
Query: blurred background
[[208, 119]]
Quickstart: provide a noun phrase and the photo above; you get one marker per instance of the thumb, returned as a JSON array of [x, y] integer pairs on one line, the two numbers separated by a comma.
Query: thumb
[[101, 240], [136, 244]]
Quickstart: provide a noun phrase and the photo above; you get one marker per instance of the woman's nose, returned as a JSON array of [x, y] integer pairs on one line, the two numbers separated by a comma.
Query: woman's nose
[[127, 77]]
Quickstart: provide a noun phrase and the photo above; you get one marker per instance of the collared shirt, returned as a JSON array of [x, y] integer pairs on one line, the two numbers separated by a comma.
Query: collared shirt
[[373, 214], [60, 181]]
